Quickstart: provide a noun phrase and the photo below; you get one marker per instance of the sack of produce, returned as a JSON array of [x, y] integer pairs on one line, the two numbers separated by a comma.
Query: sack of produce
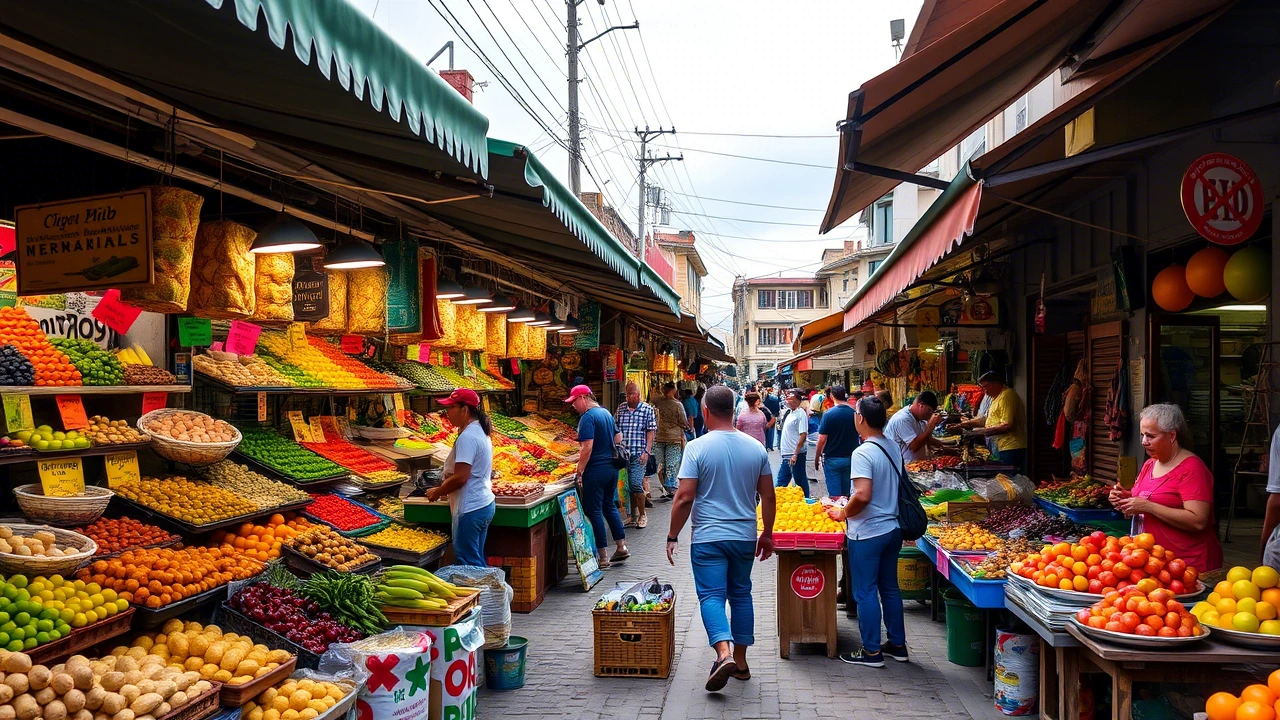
[[456, 668], [1002, 487], [447, 314], [470, 328], [274, 287], [518, 341], [336, 321], [398, 663], [223, 272], [537, 344], [495, 599], [496, 334], [175, 216], [367, 301]]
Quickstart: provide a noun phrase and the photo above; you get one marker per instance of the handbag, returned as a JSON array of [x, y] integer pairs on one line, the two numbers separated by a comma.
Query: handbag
[[911, 518], [621, 456]]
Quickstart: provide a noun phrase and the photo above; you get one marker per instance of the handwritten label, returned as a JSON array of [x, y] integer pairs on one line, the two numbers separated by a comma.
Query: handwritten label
[[297, 335], [216, 347], [114, 313], [262, 407], [317, 429], [122, 467], [195, 332], [154, 401], [424, 353], [242, 338], [352, 344], [71, 408], [446, 359], [17, 413], [301, 431], [62, 478], [944, 563], [397, 402]]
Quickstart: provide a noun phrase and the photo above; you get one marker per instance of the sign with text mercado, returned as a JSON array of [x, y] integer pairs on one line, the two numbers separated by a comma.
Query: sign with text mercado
[[91, 243]]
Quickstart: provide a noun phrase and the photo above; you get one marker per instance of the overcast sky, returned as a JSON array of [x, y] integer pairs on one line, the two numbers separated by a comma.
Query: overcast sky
[[748, 67]]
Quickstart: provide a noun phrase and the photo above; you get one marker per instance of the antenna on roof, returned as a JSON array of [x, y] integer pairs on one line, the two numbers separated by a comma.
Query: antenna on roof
[[897, 31]]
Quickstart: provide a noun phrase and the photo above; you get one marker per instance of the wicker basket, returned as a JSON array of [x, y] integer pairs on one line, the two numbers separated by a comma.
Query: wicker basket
[[32, 565], [190, 453], [634, 644], [62, 511]]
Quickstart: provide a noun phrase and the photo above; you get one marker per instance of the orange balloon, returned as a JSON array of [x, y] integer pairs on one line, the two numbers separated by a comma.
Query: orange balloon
[[1170, 291], [1204, 272]]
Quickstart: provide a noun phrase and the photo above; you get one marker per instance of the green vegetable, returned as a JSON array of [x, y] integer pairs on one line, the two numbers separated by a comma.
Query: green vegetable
[[351, 598]]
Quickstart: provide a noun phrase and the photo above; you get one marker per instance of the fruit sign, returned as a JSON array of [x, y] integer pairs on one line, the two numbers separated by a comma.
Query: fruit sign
[[807, 581], [1222, 198]]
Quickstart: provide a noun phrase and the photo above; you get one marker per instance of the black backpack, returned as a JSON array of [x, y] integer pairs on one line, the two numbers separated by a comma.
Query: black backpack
[[911, 518]]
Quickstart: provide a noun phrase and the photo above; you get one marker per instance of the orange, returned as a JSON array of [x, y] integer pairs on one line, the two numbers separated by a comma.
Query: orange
[[1252, 710], [1273, 682], [1272, 596], [1260, 694], [1222, 706]]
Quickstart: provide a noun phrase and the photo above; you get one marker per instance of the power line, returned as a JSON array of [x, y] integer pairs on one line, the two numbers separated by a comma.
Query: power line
[[745, 220], [534, 35], [756, 159], [751, 204], [761, 135]]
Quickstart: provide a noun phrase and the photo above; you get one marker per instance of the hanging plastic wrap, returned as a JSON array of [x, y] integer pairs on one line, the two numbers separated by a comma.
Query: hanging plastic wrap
[[367, 301], [273, 286], [495, 599], [175, 217], [336, 321], [496, 334], [518, 340], [470, 328], [223, 271], [537, 344]]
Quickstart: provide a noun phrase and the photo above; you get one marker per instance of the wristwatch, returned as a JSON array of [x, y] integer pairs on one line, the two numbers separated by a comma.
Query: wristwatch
[[671, 539]]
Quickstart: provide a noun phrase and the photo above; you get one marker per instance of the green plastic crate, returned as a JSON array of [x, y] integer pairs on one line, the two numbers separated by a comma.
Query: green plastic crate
[[503, 516]]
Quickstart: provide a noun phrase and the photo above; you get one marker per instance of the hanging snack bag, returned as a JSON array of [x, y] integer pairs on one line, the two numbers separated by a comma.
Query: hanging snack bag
[[274, 287], [367, 301], [518, 340], [537, 344], [175, 217], [223, 272], [448, 315], [496, 334], [336, 321], [471, 330]]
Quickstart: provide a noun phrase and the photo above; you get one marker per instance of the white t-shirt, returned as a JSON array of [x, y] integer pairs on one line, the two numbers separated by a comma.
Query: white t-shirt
[[1271, 553], [796, 422], [902, 429], [880, 516], [473, 448]]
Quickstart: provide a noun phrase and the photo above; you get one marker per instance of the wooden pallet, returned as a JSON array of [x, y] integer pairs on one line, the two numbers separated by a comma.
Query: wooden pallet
[[455, 611]]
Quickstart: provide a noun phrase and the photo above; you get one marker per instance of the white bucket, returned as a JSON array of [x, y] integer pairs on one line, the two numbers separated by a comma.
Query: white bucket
[[1017, 672]]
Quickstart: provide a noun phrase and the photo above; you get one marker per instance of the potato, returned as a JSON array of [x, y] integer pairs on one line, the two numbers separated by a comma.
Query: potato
[[126, 663], [17, 663], [74, 700], [163, 709], [133, 677], [38, 677], [145, 703], [93, 699], [99, 667], [26, 707], [46, 695], [201, 687], [125, 714], [55, 710], [113, 703], [82, 714], [130, 693], [82, 675], [7, 712], [18, 681], [63, 682], [178, 699], [6, 693], [112, 681]]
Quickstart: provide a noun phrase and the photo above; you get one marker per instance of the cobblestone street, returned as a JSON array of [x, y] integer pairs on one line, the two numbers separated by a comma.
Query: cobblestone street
[[560, 680]]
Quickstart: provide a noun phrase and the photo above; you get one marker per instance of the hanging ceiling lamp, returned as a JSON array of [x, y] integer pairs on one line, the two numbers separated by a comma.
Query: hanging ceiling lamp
[[539, 320], [501, 303], [353, 255], [571, 326], [449, 290], [555, 325], [284, 235], [521, 315], [474, 296]]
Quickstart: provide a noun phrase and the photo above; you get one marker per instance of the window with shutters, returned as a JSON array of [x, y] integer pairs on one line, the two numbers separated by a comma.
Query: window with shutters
[[1105, 346]]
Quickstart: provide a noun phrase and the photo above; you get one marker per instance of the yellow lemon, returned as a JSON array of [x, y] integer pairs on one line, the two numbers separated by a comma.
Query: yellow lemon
[[1245, 589], [1238, 573], [1269, 627], [1244, 622], [1247, 605], [1265, 577]]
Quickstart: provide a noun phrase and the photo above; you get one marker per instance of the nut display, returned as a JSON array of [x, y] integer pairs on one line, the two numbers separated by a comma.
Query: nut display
[[115, 535], [191, 502], [247, 371], [407, 538], [216, 655], [191, 427], [40, 543], [154, 578], [325, 546], [147, 375], [257, 489], [104, 431], [968, 536]]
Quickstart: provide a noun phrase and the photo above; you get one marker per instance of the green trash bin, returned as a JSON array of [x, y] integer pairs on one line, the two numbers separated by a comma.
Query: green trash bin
[[504, 666], [965, 626]]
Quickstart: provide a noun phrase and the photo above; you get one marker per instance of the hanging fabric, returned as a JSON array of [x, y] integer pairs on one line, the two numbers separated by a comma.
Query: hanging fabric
[[1117, 412]]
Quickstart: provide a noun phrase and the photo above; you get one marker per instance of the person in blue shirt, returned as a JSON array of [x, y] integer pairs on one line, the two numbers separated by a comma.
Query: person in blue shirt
[[837, 439], [721, 475], [771, 402], [692, 410], [597, 477]]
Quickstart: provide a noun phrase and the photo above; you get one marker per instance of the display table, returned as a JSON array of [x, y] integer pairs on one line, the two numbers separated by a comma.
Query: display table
[[986, 595], [807, 599], [1059, 666]]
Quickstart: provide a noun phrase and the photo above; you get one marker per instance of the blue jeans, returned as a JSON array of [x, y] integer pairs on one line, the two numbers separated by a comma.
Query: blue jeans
[[469, 536], [874, 562], [768, 438], [786, 472], [836, 472], [599, 487], [722, 572]]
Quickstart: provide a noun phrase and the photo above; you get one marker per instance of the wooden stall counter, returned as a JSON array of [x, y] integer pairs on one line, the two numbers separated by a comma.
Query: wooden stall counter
[[807, 589]]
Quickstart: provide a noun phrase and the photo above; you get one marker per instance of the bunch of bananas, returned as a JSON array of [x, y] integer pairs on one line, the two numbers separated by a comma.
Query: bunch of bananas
[[133, 355], [408, 586]]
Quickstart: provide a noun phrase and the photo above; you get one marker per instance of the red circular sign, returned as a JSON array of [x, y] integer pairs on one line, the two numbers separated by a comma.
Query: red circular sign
[[1222, 198], [808, 581]]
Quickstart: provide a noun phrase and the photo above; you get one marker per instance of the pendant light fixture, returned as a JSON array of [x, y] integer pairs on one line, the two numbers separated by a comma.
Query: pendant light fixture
[[474, 296], [284, 235], [353, 255], [539, 320], [520, 315], [555, 325], [449, 290], [501, 303], [571, 326]]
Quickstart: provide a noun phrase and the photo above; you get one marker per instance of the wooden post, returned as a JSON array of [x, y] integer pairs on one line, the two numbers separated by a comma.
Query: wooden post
[[807, 599]]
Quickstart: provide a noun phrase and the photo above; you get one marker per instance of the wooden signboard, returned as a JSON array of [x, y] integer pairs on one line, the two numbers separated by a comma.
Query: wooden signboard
[[582, 541], [91, 243]]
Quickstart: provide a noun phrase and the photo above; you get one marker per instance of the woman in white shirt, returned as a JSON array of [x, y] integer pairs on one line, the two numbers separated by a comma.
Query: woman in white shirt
[[468, 477]]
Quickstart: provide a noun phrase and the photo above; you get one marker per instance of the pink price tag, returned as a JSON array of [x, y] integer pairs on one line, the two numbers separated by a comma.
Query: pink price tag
[[242, 338], [352, 344], [944, 564], [446, 359], [114, 313], [515, 366], [154, 401], [217, 346], [8, 239], [424, 353]]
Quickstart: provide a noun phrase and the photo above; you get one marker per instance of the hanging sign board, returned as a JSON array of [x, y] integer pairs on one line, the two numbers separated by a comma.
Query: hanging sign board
[[114, 313], [589, 318], [404, 296], [582, 543], [91, 243], [1222, 198], [310, 291]]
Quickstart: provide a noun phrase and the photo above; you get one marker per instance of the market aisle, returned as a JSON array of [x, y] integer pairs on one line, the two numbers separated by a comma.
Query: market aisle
[[560, 680]]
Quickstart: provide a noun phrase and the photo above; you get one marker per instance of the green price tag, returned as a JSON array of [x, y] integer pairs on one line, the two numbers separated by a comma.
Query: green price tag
[[195, 332], [17, 413]]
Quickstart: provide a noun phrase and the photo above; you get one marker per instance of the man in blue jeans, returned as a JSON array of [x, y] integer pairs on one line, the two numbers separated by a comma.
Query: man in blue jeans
[[791, 443], [771, 401], [720, 476], [837, 439], [597, 477]]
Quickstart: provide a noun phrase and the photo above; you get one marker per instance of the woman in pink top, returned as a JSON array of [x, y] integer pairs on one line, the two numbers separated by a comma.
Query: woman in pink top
[[1173, 496], [753, 420]]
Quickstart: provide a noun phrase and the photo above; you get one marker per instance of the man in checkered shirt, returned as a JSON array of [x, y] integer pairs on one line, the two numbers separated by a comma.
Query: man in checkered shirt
[[638, 424]]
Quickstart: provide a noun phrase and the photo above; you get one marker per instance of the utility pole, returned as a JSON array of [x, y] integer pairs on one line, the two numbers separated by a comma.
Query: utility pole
[[645, 161], [573, 47]]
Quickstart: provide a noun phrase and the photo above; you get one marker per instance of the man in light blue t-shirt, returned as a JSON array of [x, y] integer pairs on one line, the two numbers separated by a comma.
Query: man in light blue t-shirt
[[720, 476]]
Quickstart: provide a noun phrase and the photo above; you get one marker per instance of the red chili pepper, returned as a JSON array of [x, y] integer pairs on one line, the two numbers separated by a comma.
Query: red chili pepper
[[341, 513]]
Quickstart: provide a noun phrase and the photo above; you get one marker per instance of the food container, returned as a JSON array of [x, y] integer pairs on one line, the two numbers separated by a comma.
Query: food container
[[183, 451], [40, 565], [63, 511]]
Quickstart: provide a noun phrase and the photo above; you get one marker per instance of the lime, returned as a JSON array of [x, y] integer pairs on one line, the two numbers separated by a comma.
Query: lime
[[23, 595], [14, 646], [44, 625], [4, 618], [62, 629], [4, 639], [18, 633], [65, 616], [29, 643], [48, 614], [43, 637], [22, 618], [18, 581], [8, 627], [54, 635], [10, 591], [92, 588]]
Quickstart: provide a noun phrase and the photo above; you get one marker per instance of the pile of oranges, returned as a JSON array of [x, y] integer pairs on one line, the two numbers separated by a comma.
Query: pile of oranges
[[262, 542], [52, 367], [1099, 563], [1256, 702], [155, 578]]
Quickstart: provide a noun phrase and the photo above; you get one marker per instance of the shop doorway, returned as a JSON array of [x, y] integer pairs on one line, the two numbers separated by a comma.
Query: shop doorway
[[1184, 371]]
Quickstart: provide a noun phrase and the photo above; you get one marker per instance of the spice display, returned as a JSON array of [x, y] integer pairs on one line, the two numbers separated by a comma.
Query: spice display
[[1076, 492], [327, 547], [147, 375], [175, 217], [409, 586], [257, 489], [349, 456], [284, 456], [262, 542], [406, 538], [191, 502], [222, 657], [115, 535], [41, 543], [51, 366], [157, 577], [336, 321], [223, 271], [341, 513], [314, 697], [104, 431], [367, 301], [1100, 562], [191, 427], [273, 287]]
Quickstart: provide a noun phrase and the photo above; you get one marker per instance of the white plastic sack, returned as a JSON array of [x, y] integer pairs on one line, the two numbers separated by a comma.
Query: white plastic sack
[[495, 599], [399, 668]]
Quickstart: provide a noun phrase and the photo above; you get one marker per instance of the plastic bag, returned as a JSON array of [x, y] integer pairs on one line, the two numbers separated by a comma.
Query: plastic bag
[[397, 665], [537, 344], [223, 272], [471, 330], [1004, 488], [274, 287], [495, 598], [496, 334], [367, 301], [336, 321], [175, 217]]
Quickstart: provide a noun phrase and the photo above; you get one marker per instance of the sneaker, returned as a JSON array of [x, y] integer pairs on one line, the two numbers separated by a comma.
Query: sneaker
[[861, 657], [897, 652], [721, 671]]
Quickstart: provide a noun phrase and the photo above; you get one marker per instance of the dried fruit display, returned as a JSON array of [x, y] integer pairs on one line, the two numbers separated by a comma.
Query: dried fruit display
[[273, 287], [115, 535], [175, 217], [104, 431], [257, 489], [157, 577], [367, 301], [147, 375], [223, 271]]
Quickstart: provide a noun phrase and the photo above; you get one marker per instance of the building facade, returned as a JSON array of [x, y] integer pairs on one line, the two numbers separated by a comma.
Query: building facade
[[767, 313], [687, 268]]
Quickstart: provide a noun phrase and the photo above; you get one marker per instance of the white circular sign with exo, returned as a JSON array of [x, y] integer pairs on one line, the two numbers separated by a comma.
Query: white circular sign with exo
[[1222, 198]]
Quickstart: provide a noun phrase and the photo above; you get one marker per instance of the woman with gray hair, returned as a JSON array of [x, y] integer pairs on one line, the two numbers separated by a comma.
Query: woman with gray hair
[[1172, 499]]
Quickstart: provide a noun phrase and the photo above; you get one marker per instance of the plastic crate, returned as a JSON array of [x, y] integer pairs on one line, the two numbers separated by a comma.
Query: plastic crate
[[634, 644], [808, 541]]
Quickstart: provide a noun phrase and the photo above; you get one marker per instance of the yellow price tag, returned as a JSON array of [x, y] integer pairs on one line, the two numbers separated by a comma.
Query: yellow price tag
[[297, 335], [317, 430], [17, 413], [62, 478], [301, 431], [122, 467], [262, 407], [397, 401]]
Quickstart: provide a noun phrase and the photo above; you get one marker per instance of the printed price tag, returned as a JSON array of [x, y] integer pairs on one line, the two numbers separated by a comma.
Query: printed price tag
[[317, 429], [114, 313], [944, 563], [262, 407], [413, 352], [122, 467], [242, 338], [17, 413], [424, 353], [61, 478], [154, 401], [195, 332], [352, 344], [301, 430], [397, 401], [71, 408], [446, 359], [297, 335]]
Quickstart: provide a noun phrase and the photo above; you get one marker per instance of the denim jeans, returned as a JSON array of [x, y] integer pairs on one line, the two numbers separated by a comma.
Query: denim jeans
[[786, 472], [1016, 458], [469, 535], [874, 562], [722, 572], [769, 434], [635, 475], [836, 472], [669, 455], [599, 487]]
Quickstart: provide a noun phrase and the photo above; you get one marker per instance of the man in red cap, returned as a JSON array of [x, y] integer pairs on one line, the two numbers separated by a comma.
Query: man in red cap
[[597, 477]]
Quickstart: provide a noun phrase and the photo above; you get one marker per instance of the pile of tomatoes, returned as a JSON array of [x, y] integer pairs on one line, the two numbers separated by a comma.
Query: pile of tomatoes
[[1133, 612], [341, 513]]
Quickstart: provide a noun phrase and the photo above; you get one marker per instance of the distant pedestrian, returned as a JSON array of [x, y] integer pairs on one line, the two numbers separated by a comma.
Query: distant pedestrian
[[638, 424], [597, 477], [837, 439], [791, 444], [672, 425], [699, 425], [774, 405], [753, 420], [722, 475], [692, 410]]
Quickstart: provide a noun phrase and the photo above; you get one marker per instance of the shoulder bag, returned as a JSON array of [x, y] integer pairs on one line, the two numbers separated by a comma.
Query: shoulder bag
[[911, 518]]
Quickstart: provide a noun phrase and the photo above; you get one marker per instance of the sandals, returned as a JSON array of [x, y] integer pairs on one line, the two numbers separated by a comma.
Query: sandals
[[619, 557], [644, 522], [721, 671]]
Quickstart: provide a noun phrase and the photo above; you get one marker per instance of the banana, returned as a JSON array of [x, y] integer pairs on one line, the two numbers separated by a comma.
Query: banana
[[143, 357]]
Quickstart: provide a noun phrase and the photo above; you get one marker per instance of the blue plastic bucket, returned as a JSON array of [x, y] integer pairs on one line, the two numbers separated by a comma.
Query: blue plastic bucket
[[504, 666]]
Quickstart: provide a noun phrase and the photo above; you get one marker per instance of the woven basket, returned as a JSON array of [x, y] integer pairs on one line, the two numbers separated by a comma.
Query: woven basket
[[63, 511], [190, 453], [46, 566]]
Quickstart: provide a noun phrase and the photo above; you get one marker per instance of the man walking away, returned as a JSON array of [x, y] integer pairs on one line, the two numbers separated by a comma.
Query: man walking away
[[837, 439], [638, 424], [720, 477], [791, 444], [672, 425], [693, 411], [775, 407], [912, 427]]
